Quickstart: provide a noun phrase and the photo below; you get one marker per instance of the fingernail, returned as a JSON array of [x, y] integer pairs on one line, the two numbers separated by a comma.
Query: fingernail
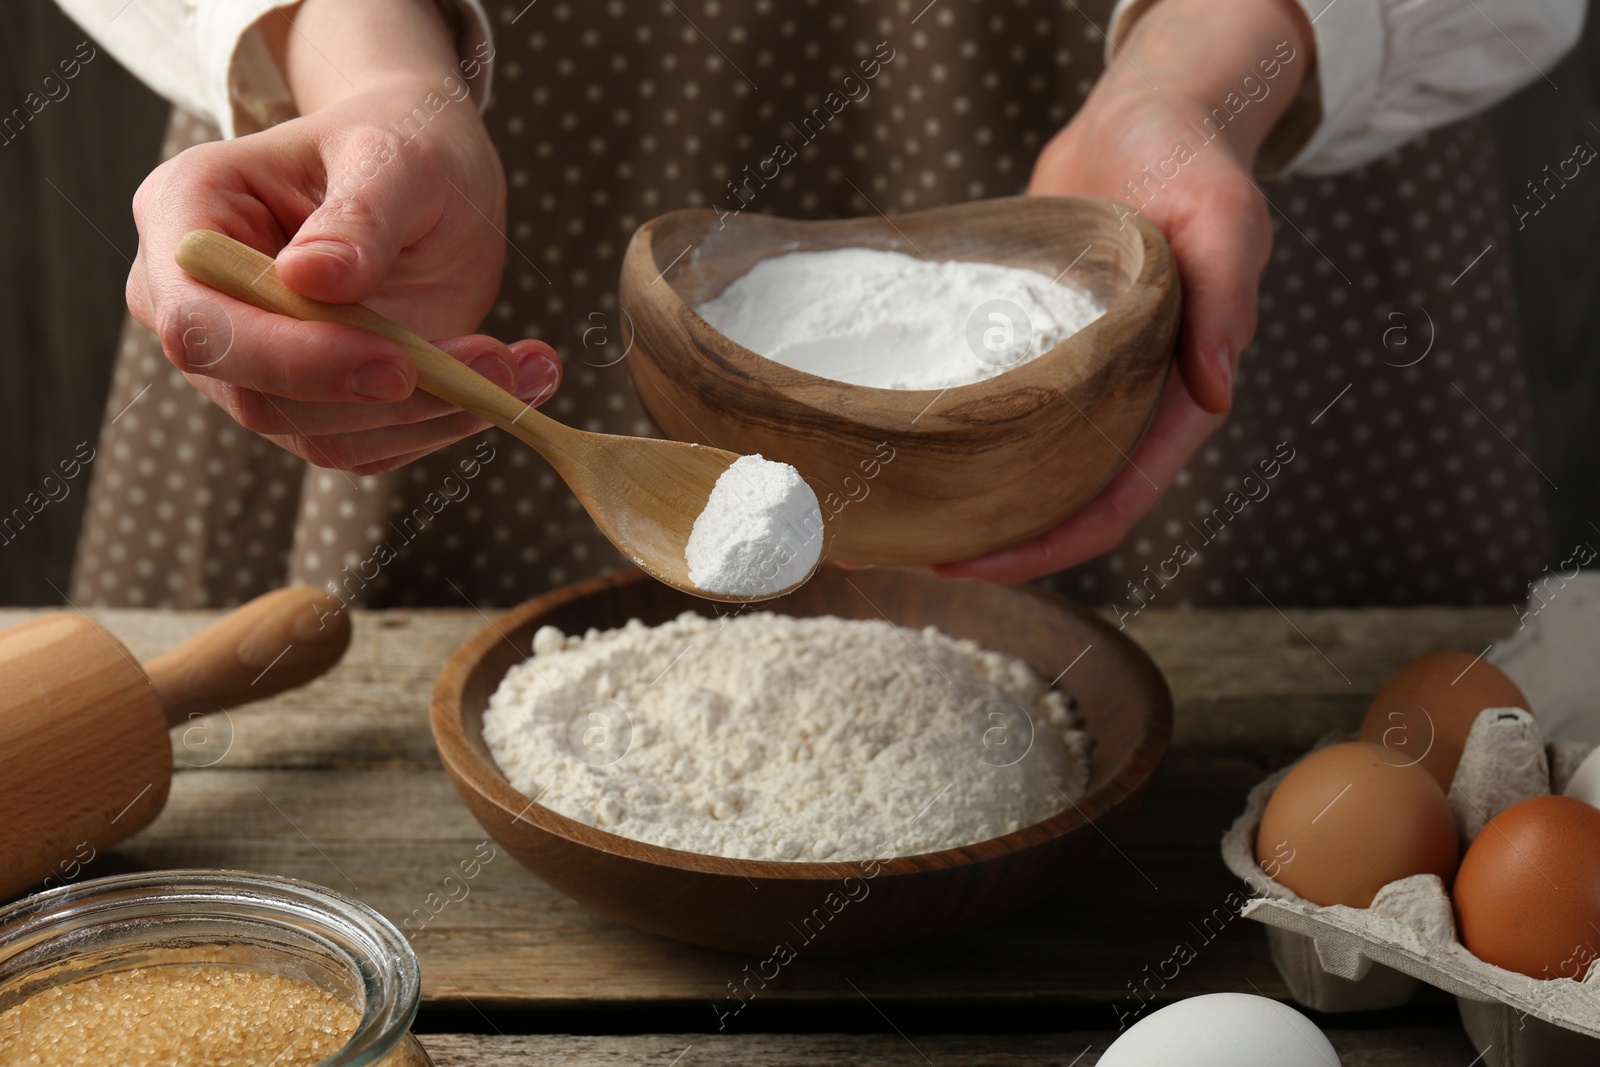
[[493, 367], [1224, 364], [536, 378], [379, 381], [338, 251]]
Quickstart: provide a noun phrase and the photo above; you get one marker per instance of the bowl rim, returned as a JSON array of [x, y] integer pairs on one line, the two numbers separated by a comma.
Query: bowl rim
[[1085, 351], [486, 780]]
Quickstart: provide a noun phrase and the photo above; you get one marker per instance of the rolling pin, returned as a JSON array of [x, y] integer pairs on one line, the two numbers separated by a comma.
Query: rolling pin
[[85, 759]]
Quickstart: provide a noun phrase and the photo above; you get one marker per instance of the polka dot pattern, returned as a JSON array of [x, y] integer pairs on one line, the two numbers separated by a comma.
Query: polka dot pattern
[[1407, 483], [1391, 373]]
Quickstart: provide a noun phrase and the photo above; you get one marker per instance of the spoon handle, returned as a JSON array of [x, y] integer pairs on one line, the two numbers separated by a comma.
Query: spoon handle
[[248, 275]]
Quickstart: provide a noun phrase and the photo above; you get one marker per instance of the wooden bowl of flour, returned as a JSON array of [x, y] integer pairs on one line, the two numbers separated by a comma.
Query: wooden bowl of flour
[[916, 476], [1122, 701]]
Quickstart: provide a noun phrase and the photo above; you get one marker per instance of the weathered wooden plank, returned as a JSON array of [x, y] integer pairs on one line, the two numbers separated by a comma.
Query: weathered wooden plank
[[1246, 682], [338, 783], [1252, 680], [1383, 1048], [400, 841]]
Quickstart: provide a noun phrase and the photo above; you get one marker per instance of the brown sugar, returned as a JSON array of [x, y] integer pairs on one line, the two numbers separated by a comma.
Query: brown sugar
[[177, 1016]]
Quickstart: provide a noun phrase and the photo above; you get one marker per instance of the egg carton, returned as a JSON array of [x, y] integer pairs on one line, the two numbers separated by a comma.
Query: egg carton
[[1342, 959]]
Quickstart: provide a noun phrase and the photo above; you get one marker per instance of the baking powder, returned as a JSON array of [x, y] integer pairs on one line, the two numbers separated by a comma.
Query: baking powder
[[760, 532], [894, 321]]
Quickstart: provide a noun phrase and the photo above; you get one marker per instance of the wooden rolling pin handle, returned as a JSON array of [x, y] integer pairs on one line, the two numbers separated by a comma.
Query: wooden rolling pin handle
[[277, 641]]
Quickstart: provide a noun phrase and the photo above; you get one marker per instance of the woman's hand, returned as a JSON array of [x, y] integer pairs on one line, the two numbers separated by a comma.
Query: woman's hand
[[1180, 61], [387, 191]]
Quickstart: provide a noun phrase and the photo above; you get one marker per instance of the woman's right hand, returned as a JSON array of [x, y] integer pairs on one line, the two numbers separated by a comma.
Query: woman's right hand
[[374, 198]]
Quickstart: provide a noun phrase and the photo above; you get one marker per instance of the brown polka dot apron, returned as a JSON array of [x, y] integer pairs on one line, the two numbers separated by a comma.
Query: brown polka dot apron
[[1377, 453]]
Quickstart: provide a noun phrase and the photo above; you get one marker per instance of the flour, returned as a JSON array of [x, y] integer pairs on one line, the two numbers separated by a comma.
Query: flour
[[760, 532], [768, 737], [895, 321]]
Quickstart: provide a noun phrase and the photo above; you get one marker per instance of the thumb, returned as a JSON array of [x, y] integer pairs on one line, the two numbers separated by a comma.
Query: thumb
[[1219, 252], [345, 249]]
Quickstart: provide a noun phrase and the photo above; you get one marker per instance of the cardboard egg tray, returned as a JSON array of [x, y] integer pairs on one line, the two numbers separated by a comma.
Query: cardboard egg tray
[[1340, 959]]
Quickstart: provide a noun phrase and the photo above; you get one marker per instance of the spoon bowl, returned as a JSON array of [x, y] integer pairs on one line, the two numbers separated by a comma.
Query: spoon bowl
[[643, 494]]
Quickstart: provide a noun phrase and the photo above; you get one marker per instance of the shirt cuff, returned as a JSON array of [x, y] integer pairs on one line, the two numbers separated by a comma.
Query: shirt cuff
[[1350, 50], [246, 91]]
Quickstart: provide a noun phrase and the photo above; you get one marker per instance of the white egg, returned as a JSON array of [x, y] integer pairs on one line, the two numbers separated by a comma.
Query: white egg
[[1222, 1030], [1585, 782]]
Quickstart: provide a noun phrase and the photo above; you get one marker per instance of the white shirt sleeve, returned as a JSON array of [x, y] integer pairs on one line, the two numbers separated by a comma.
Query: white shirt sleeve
[[1389, 70], [207, 57]]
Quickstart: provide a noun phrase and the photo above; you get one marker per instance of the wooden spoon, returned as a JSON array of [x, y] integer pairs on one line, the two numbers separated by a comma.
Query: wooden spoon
[[644, 494]]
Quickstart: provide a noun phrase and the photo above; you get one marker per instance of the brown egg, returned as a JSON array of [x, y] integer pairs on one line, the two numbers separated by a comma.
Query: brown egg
[[1425, 711], [1528, 895], [1348, 820]]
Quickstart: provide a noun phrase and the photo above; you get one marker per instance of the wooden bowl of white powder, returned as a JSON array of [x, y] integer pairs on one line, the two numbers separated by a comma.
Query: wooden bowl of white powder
[[806, 775], [939, 377]]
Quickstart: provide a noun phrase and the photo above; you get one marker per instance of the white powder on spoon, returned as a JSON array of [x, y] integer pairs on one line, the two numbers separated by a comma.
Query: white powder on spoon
[[768, 737], [760, 532], [894, 321]]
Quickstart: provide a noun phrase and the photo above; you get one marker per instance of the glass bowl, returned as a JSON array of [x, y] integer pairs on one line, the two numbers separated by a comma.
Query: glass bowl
[[230, 918]]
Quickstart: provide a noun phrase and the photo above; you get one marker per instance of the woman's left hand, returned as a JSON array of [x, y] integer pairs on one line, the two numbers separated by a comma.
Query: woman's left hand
[[1179, 62]]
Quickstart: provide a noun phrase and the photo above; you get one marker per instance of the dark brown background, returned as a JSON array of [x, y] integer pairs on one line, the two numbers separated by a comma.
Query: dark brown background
[[66, 237]]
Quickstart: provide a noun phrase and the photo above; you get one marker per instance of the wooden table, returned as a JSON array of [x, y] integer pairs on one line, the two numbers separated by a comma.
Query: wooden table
[[339, 784]]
